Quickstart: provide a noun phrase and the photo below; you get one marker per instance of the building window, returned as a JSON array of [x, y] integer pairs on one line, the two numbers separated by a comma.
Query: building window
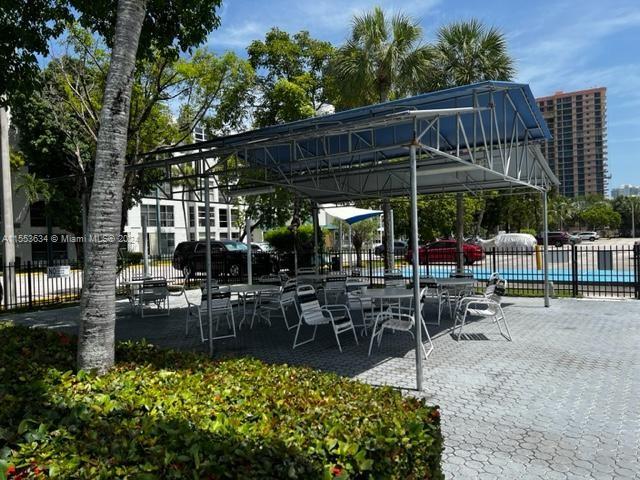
[[202, 217], [235, 235], [58, 251], [149, 212], [223, 218], [166, 216], [192, 216], [167, 242], [38, 217], [148, 215]]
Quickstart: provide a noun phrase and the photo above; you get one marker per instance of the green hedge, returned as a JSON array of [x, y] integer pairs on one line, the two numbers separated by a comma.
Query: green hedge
[[167, 414]]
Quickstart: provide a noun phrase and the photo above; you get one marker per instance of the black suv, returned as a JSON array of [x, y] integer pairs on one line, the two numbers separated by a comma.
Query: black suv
[[228, 257], [399, 247]]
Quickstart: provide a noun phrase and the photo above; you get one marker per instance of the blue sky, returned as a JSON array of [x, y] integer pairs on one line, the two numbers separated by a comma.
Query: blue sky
[[558, 45]]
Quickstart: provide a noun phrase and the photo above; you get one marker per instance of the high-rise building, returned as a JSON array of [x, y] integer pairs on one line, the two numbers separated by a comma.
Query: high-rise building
[[578, 152], [626, 190]]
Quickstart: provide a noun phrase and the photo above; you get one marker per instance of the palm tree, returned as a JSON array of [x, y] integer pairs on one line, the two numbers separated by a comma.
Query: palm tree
[[98, 304], [383, 59], [467, 52]]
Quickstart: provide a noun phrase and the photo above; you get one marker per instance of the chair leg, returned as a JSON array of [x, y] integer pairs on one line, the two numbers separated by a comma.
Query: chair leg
[[201, 329], [335, 332], [464, 319], [233, 321], [373, 336], [504, 320]]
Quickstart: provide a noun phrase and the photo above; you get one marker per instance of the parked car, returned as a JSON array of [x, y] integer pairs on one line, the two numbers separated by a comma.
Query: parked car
[[510, 242], [266, 247], [228, 257], [557, 239], [444, 251], [591, 236], [399, 247]]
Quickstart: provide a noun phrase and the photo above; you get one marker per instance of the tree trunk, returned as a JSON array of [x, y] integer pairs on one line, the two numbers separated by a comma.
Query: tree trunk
[[98, 307]]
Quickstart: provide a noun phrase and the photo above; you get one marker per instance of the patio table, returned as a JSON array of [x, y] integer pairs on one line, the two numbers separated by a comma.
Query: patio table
[[378, 295], [244, 290]]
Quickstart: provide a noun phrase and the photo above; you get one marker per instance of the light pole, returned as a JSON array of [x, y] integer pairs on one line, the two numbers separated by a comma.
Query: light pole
[[633, 218]]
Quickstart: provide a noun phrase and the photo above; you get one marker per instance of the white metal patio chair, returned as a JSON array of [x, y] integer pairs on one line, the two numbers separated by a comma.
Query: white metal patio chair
[[311, 313], [358, 302], [279, 302], [220, 307], [270, 279], [154, 291], [488, 305], [334, 288], [398, 322]]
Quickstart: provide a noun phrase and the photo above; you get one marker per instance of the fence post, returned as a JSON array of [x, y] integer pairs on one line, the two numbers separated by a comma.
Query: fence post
[[494, 260], [370, 268], [574, 270], [636, 269], [29, 288]]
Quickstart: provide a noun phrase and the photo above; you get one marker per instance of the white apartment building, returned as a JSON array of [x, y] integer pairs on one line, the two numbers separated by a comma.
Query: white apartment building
[[181, 221]]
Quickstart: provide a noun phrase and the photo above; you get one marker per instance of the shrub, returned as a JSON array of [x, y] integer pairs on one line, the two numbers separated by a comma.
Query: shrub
[[530, 231], [167, 414]]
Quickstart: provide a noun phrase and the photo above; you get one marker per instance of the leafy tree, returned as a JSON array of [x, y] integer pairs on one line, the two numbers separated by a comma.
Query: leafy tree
[[361, 232], [600, 215], [623, 206], [291, 81], [59, 122], [282, 239], [512, 213], [289, 86], [383, 59]]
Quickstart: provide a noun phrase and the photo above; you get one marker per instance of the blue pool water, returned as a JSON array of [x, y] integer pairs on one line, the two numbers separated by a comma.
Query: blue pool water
[[529, 275]]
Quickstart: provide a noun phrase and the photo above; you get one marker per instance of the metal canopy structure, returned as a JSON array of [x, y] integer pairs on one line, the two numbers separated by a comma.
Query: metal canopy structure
[[475, 137], [484, 136]]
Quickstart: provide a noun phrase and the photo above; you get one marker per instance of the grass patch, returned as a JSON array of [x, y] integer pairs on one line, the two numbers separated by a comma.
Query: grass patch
[[167, 414]]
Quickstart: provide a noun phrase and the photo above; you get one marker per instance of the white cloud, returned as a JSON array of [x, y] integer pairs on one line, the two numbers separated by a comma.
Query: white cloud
[[325, 19], [555, 54]]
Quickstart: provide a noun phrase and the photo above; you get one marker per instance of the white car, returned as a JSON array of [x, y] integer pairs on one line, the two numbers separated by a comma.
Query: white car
[[591, 236], [515, 242]]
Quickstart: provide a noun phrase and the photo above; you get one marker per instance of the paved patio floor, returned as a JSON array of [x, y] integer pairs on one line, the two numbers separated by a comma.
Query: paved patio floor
[[562, 401]]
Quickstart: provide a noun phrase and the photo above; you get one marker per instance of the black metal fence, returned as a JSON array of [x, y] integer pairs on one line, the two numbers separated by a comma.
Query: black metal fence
[[574, 271]]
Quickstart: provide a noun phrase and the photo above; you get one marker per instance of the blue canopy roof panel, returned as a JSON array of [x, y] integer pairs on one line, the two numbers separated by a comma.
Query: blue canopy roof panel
[[480, 136], [371, 128]]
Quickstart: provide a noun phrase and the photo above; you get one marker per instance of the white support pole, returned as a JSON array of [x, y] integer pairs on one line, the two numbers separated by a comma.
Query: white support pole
[[388, 239], [316, 222], [340, 245], [392, 233], [207, 230], [633, 219], [249, 252], [158, 224], [416, 267], [460, 232], [145, 248], [545, 250], [9, 246], [229, 227]]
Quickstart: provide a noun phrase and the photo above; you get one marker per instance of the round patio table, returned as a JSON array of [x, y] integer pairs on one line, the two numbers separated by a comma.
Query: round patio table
[[244, 291], [455, 282]]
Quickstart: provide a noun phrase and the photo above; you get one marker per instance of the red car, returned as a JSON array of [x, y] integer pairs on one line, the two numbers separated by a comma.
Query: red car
[[444, 251]]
